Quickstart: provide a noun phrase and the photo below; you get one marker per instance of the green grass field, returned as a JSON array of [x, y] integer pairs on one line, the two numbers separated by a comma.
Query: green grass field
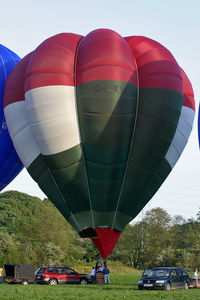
[[123, 286]]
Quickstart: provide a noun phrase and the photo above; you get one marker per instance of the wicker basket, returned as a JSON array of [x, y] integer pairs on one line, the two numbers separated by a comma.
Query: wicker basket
[[99, 277]]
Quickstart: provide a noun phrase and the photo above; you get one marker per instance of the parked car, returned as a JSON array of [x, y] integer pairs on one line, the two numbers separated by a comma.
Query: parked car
[[60, 274], [165, 278], [19, 273]]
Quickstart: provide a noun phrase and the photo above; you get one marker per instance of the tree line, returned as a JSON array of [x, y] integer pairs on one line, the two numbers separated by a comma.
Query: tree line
[[160, 240], [34, 231]]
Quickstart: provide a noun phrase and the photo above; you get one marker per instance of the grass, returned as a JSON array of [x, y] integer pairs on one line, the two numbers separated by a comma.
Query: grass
[[123, 286]]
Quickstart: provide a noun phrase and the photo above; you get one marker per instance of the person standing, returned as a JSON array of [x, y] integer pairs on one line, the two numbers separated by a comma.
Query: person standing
[[93, 275], [106, 275], [196, 276]]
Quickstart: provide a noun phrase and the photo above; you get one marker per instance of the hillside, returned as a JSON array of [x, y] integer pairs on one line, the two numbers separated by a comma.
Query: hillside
[[32, 230]]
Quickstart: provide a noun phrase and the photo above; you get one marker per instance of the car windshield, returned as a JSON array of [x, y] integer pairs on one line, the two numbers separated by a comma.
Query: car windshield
[[40, 271], [146, 272], [159, 273]]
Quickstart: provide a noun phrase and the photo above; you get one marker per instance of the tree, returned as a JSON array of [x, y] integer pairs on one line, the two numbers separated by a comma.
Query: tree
[[9, 249], [131, 246], [141, 243]]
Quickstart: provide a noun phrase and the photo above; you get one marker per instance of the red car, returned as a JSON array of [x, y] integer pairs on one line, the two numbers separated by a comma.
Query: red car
[[55, 274]]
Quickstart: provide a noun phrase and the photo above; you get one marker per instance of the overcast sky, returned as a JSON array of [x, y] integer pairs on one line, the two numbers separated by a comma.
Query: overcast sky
[[173, 23]]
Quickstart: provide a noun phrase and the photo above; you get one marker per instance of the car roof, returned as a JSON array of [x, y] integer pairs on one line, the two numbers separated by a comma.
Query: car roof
[[168, 268], [45, 267], [163, 268], [55, 267]]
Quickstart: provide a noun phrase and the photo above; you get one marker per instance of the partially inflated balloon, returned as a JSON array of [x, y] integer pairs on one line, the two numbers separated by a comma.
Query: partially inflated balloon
[[99, 122], [10, 164]]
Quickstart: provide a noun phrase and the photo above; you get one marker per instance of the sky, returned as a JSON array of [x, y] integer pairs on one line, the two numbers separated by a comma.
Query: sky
[[175, 24]]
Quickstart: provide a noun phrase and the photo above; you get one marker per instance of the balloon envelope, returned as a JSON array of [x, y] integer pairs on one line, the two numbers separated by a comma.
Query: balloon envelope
[[99, 122], [10, 164]]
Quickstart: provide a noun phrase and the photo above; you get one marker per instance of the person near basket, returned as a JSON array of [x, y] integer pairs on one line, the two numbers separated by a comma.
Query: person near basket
[[92, 275], [106, 275]]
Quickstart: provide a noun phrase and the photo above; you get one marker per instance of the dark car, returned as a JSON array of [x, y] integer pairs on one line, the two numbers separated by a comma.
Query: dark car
[[58, 274], [165, 278]]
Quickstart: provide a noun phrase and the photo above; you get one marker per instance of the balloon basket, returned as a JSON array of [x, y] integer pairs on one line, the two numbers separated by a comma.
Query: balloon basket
[[99, 277]]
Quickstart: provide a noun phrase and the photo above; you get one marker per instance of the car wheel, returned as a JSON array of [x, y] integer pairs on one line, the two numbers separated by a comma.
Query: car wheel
[[25, 282], [168, 286], [53, 281], [186, 286], [83, 281], [140, 287]]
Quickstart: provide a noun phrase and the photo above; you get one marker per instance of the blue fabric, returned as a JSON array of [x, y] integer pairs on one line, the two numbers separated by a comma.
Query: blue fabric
[[106, 271], [10, 164], [199, 124]]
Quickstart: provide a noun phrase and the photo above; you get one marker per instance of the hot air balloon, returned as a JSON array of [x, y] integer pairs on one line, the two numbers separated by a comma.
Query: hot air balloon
[[10, 164], [99, 122]]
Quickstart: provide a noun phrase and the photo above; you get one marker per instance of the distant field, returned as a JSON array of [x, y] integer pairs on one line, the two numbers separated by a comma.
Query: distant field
[[123, 286]]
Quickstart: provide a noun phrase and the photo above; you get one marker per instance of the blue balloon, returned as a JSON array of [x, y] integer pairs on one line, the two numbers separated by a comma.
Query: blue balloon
[[10, 164], [199, 125]]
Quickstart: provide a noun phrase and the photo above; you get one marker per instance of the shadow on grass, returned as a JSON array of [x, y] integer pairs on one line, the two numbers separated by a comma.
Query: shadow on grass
[[112, 286]]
